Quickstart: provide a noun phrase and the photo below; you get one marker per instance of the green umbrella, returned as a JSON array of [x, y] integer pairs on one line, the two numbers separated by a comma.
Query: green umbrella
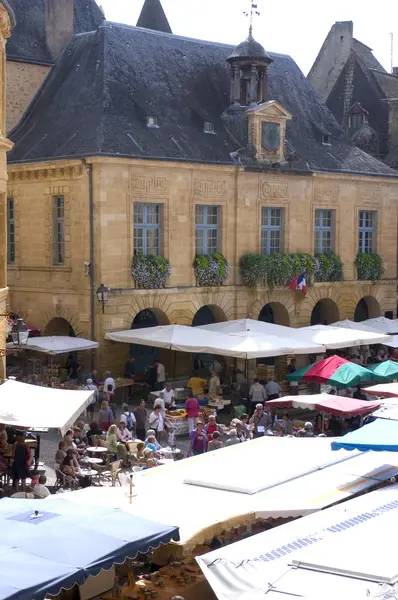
[[335, 371], [387, 369]]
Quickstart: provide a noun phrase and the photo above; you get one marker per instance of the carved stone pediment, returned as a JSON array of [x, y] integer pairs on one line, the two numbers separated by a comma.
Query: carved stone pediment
[[267, 125]]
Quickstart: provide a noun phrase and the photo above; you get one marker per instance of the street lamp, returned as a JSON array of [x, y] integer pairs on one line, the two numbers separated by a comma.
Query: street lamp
[[20, 333], [103, 295]]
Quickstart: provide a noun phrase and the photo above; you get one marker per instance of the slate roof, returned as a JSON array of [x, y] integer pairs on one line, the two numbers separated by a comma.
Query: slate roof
[[152, 16], [365, 55], [28, 39], [96, 100]]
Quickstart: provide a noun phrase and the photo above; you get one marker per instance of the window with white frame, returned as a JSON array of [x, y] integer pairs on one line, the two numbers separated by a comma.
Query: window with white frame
[[10, 231], [367, 231], [58, 230], [209, 127], [207, 221], [147, 228], [323, 231], [271, 230]]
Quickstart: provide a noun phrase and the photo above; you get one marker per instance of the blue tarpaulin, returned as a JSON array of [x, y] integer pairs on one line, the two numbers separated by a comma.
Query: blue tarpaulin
[[65, 543], [381, 434]]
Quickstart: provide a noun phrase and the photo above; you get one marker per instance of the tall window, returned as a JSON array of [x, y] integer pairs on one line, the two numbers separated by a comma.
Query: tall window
[[146, 228], [59, 230], [271, 230], [10, 231], [367, 231], [207, 220], [356, 121], [323, 231]]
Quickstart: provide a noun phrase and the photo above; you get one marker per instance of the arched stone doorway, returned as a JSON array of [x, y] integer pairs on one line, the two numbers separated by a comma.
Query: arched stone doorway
[[276, 313], [325, 312], [144, 355], [207, 315], [367, 308], [59, 326]]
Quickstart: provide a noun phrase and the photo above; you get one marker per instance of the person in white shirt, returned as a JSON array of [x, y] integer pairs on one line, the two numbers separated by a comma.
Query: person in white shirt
[[160, 403], [40, 489], [109, 381], [256, 394], [156, 422], [160, 375], [272, 389], [168, 395]]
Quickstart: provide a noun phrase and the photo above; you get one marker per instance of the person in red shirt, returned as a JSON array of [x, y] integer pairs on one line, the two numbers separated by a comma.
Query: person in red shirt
[[192, 407], [212, 426]]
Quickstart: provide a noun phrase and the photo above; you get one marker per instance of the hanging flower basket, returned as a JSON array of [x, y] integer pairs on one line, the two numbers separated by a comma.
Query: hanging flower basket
[[150, 272], [369, 267], [279, 269], [211, 269]]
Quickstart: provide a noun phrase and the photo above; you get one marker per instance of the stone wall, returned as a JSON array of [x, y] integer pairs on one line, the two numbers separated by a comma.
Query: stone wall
[[23, 81], [42, 292]]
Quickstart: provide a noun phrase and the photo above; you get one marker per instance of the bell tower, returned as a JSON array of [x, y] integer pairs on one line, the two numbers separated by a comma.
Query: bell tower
[[249, 70]]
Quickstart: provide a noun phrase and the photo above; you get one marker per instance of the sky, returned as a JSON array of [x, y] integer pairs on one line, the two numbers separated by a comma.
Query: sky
[[294, 27]]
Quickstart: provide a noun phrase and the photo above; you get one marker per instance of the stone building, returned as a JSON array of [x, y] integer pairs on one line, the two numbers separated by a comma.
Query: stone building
[[7, 21], [43, 29], [143, 143], [361, 94]]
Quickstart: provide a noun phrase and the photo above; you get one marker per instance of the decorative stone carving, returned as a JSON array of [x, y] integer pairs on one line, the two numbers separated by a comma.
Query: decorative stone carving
[[326, 192], [149, 185], [210, 188], [37, 174], [369, 194], [273, 188]]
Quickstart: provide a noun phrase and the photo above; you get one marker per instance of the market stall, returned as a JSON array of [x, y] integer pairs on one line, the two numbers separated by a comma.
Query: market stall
[[324, 555], [52, 346], [383, 390], [380, 435], [338, 406], [53, 544], [335, 371], [221, 492]]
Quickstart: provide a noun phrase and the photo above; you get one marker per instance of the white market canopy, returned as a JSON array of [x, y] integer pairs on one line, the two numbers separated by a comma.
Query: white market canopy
[[325, 555], [57, 344], [304, 475], [337, 337], [32, 406], [323, 336], [258, 344], [379, 324]]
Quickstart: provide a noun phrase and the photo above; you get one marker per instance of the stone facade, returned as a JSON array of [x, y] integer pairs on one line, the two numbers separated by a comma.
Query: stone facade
[[23, 81], [5, 145], [47, 295]]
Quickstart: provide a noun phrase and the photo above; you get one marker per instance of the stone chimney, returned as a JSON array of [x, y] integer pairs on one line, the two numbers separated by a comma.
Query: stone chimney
[[59, 25]]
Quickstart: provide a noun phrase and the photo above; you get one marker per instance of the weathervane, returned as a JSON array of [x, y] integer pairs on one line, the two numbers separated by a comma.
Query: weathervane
[[251, 13]]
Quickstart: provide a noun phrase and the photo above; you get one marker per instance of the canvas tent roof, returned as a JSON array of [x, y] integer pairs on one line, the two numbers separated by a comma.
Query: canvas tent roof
[[301, 478], [66, 543], [336, 337], [340, 406], [335, 542], [57, 344], [380, 435], [24, 405], [201, 339], [386, 390]]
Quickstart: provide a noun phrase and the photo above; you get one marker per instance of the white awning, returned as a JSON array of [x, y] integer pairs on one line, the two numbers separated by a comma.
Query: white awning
[[302, 475], [201, 339], [339, 337], [347, 324], [382, 324], [322, 555], [26, 405], [57, 344], [326, 336]]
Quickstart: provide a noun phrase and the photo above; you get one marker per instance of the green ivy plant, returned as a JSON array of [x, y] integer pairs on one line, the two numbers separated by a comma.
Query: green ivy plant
[[150, 272], [278, 269], [369, 267], [211, 269]]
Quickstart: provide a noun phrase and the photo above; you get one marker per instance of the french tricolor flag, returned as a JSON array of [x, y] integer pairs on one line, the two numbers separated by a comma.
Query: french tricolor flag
[[299, 283]]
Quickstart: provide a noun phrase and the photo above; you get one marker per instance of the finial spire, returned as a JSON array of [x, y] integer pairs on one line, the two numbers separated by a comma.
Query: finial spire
[[251, 13]]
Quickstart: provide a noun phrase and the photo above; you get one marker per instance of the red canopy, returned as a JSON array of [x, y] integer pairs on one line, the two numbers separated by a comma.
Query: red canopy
[[339, 406], [386, 390]]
